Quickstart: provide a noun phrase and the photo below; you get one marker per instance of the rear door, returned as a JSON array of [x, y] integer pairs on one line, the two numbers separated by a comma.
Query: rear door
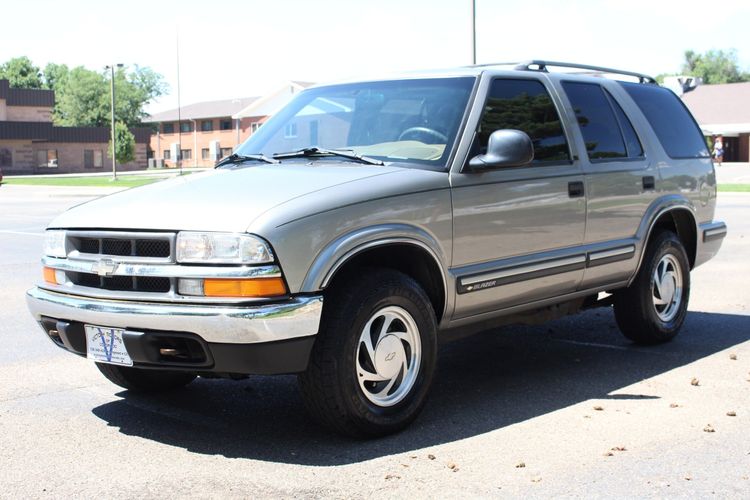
[[518, 231], [620, 179]]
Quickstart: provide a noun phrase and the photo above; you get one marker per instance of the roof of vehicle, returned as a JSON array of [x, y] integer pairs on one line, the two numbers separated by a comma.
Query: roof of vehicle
[[536, 65]]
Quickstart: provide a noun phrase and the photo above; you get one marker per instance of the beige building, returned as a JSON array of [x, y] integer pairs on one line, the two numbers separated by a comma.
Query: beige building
[[30, 144], [205, 132], [724, 109]]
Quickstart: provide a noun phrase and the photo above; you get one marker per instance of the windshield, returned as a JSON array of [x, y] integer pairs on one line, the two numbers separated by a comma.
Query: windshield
[[407, 121]]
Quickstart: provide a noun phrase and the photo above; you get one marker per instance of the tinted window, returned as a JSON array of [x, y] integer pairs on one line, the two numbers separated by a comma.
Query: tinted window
[[635, 150], [599, 126], [525, 105], [670, 119]]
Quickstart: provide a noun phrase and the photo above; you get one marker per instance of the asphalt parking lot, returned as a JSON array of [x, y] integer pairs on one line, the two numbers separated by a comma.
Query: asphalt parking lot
[[569, 408]]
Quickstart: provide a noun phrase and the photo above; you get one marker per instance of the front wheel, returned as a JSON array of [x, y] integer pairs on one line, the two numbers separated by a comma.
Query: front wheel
[[374, 357], [652, 309]]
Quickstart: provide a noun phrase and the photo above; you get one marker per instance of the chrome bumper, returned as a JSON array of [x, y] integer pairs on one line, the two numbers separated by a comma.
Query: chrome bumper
[[296, 317]]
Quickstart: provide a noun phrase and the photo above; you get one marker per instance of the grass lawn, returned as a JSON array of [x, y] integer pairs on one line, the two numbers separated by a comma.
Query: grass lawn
[[122, 181], [736, 188]]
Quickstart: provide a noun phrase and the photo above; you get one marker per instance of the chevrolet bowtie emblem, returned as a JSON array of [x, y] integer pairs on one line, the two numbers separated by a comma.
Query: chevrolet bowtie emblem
[[104, 267]]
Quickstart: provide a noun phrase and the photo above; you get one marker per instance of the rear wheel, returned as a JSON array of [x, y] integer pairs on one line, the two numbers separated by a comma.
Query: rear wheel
[[142, 380], [652, 309], [374, 357]]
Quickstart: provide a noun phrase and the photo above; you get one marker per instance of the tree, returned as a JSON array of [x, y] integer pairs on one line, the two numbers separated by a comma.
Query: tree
[[21, 73], [54, 75], [83, 97], [125, 147], [714, 66]]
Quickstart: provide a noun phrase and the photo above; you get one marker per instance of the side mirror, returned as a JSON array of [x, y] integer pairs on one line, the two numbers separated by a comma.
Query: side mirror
[[506, 148]]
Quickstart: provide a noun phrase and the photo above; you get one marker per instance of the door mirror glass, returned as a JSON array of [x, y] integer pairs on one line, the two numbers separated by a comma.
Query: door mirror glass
[[505, 148]]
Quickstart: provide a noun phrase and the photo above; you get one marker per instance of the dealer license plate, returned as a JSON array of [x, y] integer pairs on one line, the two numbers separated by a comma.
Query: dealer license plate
[[105, 345]]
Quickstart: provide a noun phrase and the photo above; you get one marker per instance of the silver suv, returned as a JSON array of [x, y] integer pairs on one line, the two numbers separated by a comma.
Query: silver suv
[[367, 219]]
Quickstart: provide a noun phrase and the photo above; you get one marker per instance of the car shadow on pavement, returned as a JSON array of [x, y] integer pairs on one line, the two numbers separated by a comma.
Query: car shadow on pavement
[[484, 382]]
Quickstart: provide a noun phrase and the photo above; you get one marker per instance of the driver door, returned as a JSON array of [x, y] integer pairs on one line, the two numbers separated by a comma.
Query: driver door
[[518, 231]]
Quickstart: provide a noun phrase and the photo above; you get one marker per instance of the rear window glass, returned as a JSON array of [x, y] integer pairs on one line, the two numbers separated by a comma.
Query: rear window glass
[[597, 121], [676, 129]]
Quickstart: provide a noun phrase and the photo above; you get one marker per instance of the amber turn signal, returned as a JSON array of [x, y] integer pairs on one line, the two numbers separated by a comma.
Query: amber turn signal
[[253, 287], [49, 275]]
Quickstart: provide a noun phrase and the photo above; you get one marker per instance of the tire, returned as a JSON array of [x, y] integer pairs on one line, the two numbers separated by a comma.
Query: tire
[[367, 389], [652, 309], [142, 380]]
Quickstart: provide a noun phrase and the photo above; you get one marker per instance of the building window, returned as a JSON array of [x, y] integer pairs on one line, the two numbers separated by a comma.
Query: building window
[[254, 127], [207, 126], [186, 127], [92, 158], [226, 152], [6, 157], [166, 154], [205, 154], [225, 125], [46, 158], [186, 154], [167, 128], [290, 131]]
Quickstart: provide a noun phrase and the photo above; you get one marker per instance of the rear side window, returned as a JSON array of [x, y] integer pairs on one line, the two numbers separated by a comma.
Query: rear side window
[[525, 105], [673, 124], [635, 149], [597, 121]]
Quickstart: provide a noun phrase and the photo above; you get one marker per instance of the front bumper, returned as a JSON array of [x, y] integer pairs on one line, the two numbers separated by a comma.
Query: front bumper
[[242, 339]]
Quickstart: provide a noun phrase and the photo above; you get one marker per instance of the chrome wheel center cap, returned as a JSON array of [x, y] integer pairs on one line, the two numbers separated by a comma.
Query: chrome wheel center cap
[[668, 288], [389, 355]]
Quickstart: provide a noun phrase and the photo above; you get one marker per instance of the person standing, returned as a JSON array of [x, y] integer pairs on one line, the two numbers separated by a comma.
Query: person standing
[[718, 149]]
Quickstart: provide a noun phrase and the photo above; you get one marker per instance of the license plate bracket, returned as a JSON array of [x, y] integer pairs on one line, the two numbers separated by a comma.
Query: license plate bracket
[[105, 344]]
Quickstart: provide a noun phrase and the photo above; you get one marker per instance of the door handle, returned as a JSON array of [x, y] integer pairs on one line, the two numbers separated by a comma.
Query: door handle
[[575, 189], [649, 182]]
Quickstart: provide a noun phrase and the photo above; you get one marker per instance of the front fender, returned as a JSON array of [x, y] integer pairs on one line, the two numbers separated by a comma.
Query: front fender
[[343, 248]]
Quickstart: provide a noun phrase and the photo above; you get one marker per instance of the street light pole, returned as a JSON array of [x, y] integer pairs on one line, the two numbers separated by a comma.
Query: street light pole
[[473, 31], [114, 140]]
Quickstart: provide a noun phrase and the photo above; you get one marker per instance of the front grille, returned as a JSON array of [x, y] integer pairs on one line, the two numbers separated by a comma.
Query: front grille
[[125, 245], [122, 283]]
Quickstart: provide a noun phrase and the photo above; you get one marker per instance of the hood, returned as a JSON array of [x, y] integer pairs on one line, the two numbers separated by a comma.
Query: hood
[[217, 200]]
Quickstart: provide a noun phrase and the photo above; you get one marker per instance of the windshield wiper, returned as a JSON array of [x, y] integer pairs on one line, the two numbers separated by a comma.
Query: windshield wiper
[[312, 152], [234, 159]]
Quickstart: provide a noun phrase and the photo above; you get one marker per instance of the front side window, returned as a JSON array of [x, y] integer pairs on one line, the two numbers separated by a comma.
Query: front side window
[[409, 122], [527, 106], [673, 124]]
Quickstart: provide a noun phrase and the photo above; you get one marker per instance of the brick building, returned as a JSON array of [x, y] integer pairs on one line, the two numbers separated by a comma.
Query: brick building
[[207, 131], [30, 144]]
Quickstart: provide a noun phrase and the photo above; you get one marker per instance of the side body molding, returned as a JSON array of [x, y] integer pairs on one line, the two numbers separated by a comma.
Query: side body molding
[[343, 248], [659, 207]]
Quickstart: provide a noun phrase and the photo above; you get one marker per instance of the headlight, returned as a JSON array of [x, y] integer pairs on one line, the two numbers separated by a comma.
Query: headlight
[[54, 244], [222, 248]]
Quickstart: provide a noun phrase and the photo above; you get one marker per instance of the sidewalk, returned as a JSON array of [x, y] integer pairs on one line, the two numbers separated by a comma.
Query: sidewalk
[[732, 173], [154, 172]]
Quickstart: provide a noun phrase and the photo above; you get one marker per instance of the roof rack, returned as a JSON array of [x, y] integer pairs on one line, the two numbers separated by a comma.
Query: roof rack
[[539, 65]]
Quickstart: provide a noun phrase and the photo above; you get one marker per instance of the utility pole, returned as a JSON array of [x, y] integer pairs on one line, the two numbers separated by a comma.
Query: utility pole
[[179, 111], [114, 140], [473, 31]]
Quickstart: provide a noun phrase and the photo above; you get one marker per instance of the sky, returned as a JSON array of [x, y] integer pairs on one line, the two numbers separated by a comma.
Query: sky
[[245, 48]]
